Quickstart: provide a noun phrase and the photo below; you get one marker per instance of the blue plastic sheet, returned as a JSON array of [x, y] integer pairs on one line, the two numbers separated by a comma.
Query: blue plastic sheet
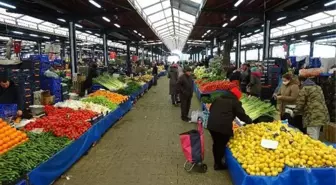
[[50, 170], [290, 176]]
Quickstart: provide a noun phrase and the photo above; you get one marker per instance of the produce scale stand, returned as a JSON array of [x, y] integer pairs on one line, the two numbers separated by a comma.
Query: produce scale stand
[[48, 171]]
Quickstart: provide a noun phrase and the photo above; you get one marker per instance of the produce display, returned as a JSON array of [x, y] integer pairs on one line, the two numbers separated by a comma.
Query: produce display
[[109, 82], [100, 100], [200, 72], [254, 107], [146, 78], [310, 72], [10, 137], [294, 149], [131, 88], [212, 97], [77, 105], [25, 157], [63, 122], [113, 97], [217, 85]]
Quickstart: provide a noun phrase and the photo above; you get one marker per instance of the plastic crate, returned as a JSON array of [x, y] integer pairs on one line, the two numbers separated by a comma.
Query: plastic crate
[[7, 110], [44, 66]]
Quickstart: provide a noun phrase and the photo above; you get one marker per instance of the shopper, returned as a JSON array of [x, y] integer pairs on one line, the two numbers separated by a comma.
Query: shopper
[[185, 89], [222, 113], [311, 104], [173, 76], [287, 94], [93, 73], [245, 77], [155, 73], [10, 93], [254, 87]]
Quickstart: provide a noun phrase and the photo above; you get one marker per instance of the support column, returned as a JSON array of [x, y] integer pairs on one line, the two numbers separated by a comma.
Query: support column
[[267, 33], [218, 47], [39, 49], [73, 48], [137, 49], [245, 57], [152, 53], [259, 54], [206, 52], [238, 49], [143, 53], [128, 60], [105, 52], [211, 48], [198, 57], [63, 51], [311, 52]]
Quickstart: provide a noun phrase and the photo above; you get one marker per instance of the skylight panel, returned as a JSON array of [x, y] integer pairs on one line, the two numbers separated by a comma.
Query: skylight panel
[[31, 19], [298, 22], [323, 22], [197, 1], [165, 4], [159, 23], [167, 12], [162, 29], [146, 3], [49, 24], [4, 12], [156, 17], [153, 9], [316, 17], [331, 12], [187, 17]]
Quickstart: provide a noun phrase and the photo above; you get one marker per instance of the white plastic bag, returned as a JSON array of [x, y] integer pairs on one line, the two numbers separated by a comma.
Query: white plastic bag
[[195, 115]]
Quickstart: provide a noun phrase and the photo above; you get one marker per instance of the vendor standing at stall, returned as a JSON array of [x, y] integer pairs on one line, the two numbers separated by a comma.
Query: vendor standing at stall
[[93, 73], [10, 93]]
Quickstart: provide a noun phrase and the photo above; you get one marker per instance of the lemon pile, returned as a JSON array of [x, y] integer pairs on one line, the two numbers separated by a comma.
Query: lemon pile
[[295, 149]]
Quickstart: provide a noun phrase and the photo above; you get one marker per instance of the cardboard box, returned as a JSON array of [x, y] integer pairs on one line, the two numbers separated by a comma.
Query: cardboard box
[[329, 132]]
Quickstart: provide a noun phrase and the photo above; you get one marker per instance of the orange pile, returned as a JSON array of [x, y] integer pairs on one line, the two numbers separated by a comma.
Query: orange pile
[[10, 137], [113, 97]]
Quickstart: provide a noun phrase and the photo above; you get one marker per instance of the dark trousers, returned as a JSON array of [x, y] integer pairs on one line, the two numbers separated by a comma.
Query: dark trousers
[[185, 106], [296, 122], [219, 145], [155, 80], [174, 98]]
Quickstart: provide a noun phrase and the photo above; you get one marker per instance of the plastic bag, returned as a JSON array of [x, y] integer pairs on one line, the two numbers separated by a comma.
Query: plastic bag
[[195, 115]]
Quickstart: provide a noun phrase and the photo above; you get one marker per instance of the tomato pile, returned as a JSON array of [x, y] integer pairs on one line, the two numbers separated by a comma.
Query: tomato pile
[[10, 137], [63, 122], [217, 85]]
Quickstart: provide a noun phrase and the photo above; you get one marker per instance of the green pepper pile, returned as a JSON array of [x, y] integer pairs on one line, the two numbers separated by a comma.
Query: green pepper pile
[[131, 88], [27, 156], [101, 101], [211, 98]]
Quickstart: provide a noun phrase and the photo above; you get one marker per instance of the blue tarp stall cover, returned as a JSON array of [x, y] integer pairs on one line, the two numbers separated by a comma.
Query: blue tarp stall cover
[[290, 176]]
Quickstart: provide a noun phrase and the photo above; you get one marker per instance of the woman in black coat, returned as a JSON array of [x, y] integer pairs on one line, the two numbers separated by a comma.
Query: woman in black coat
[[173, 77], [222, 113]]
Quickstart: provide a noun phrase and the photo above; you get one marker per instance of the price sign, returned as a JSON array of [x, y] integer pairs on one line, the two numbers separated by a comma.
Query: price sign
[[269, 144]]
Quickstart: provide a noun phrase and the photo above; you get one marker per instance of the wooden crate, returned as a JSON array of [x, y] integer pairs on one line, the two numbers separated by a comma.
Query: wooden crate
[[329, 132]]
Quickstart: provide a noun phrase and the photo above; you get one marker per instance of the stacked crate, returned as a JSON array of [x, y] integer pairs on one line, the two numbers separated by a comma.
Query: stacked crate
[[65, 91], [54, 86]]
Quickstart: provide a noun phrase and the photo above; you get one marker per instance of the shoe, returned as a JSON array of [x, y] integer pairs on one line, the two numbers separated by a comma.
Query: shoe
[[220, 167], [185, 119]]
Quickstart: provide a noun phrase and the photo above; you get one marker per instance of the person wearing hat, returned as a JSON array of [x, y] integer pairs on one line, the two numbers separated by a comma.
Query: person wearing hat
[[254, 87], [223, 111], [10, 93], [173, 76], [185, 90]]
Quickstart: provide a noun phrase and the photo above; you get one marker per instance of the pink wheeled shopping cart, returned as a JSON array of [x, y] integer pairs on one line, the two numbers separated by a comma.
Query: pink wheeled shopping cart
[[192, 143]]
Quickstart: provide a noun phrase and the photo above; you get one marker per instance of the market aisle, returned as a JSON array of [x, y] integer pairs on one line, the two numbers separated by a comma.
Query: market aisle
[[143, 149]]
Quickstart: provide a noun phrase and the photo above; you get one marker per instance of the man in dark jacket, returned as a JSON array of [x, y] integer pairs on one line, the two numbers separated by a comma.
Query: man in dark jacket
[[185, 89], [245, 77], [173, 76], [10, 93], [155, 73], [222, 113]]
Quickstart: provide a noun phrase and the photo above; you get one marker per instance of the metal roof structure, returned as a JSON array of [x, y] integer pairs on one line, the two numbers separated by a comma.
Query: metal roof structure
[[171, 20]]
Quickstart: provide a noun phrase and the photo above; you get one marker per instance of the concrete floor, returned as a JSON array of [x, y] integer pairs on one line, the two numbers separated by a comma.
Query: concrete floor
[[143, 149]]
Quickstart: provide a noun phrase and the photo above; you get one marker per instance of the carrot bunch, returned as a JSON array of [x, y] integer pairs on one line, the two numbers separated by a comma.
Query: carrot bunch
[[217, 85], [113, 97], [10, 137]]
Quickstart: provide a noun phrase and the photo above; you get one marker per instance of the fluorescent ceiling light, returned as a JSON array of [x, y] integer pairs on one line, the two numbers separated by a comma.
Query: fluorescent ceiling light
[[62, 20], [96, 34], [292, 38], [238, 3], [78, 25], [303, 36], [316, 34], [18, 32], [208, 31], [87, 31], [233, 18], [139, 34], [256, 31], [330, 3], [143, 37], [202, 36], [117, 25], [46, 37], [282, 41], [225, 24], [249, 34], [57, 40], [33, 35], [7, 5], [331, 30], [95, 3], [106, 19], [135, 31], [281, 18]]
